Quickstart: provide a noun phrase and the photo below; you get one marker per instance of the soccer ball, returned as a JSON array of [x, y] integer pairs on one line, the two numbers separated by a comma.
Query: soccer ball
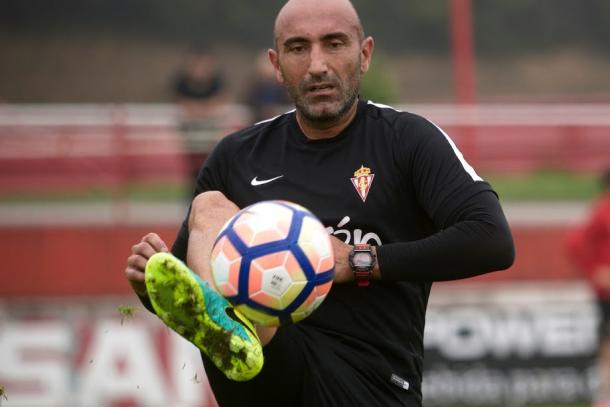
[[274, 262]]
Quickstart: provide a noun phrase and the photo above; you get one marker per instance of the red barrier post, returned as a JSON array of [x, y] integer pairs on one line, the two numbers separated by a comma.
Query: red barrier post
[[463, 67]]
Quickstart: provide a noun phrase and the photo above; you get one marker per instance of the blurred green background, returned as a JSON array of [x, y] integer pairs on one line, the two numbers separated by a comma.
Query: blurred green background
[[98, 50]]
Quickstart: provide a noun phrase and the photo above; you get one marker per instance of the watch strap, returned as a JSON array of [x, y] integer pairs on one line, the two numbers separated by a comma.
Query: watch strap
[[363, 278]]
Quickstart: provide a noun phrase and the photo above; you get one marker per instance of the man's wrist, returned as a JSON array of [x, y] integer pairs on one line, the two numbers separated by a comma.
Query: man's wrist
[[362, 260]]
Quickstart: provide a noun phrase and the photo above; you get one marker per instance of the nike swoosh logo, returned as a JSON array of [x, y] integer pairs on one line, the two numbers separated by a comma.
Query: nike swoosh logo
[[256, 182]]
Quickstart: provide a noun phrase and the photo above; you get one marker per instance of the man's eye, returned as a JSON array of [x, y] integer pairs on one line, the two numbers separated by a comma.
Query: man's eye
[[297, 48], [336, 44]]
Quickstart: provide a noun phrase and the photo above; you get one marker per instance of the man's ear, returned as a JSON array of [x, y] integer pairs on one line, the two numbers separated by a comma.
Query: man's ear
[[366, 50], [274, 58]]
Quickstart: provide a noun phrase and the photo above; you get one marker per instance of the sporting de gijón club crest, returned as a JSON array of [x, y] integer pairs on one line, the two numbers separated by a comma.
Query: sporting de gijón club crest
[[362, 181]]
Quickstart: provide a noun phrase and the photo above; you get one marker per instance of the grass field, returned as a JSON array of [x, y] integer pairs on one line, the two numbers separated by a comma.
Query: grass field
[[133, 191], [539, 186], [545, 186]]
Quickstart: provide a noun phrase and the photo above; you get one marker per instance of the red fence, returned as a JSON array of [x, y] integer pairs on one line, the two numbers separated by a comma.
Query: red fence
[[44, 147], [48, 147], [522, 137], [89, 260]]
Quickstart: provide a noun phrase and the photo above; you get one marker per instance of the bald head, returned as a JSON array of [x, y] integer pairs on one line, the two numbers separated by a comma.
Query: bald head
[[342, 12], [320, 56]]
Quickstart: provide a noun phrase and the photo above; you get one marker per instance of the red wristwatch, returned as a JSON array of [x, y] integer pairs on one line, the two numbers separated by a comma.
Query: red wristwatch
[[362, 261]]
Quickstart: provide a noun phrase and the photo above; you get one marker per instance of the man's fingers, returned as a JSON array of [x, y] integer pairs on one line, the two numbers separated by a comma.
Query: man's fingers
[[136, 280], [156, 242], [137, 262], [143, 249], [149, 245], [134, 275]]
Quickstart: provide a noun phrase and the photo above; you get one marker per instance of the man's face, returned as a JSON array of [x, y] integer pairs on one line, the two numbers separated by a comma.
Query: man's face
[[320, 58]]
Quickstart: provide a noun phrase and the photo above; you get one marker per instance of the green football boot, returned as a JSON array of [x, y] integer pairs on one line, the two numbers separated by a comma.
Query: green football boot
[[186, 304]]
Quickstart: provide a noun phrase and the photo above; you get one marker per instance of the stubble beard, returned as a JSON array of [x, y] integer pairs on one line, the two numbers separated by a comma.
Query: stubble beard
[[331, 114]]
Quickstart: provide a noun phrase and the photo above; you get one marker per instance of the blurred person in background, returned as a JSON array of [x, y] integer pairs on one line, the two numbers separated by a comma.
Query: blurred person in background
[[199, 83], [417, 213], [589, 249], [266, 97], [199, 89]]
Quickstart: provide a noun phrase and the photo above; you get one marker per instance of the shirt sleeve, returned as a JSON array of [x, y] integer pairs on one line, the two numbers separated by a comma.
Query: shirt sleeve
[[472, 235], [479, 241]]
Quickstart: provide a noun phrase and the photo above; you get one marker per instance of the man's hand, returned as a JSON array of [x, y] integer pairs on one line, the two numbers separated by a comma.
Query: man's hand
[[136, 263], [343, 272]]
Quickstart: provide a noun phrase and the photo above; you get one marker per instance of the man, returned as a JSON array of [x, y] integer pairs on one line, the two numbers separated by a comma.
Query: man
[[589, 248], [391, 182], [199, 90]]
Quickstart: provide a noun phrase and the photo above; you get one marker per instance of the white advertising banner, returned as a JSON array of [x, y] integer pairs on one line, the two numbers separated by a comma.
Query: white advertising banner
[[497, 344]]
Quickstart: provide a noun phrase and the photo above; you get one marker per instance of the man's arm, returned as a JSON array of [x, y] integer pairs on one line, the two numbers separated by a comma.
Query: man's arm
[[479, 242], [472, 235]]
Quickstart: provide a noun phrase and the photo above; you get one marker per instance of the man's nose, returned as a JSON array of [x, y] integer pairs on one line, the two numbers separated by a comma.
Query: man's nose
[[318, 64]]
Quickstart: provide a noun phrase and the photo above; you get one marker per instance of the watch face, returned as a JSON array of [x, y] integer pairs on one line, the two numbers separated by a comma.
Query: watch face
[[362, 259]]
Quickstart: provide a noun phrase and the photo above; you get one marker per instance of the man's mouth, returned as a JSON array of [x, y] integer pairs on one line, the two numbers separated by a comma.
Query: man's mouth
[[320, 89]]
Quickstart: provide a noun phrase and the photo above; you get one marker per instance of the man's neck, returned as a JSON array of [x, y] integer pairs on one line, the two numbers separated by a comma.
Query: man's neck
[[319, 131]]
